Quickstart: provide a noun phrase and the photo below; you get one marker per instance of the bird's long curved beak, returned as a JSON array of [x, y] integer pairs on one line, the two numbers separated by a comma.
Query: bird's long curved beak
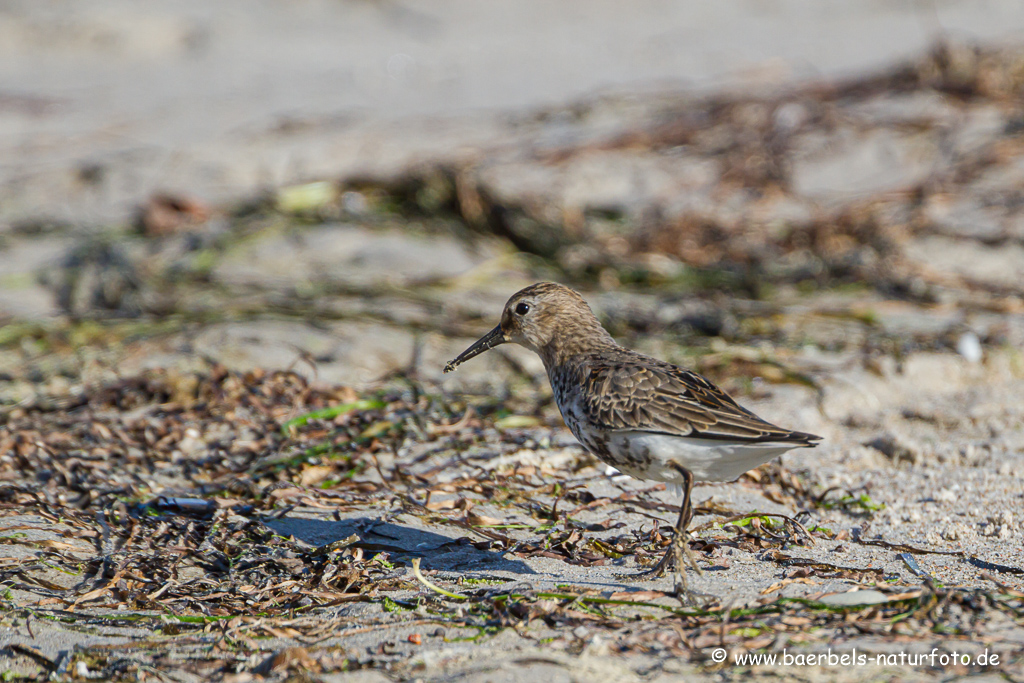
[[493, 338]]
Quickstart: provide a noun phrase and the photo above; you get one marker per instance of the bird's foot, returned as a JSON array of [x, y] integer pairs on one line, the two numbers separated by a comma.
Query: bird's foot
[[673, 558], [694, 598], [655, 572], [679, 549]]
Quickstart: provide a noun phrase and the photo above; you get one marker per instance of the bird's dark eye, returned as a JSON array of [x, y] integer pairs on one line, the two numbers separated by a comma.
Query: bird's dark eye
[[522, 309]]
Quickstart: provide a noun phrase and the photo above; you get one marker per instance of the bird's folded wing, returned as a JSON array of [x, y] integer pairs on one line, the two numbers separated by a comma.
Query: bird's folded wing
[[664, 398]]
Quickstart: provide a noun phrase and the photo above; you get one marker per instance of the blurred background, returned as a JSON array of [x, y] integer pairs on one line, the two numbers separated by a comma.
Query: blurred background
[[767, 189]]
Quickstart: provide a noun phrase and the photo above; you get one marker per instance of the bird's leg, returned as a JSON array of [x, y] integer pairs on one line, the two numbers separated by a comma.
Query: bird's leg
[[680, 543], [680, 547]]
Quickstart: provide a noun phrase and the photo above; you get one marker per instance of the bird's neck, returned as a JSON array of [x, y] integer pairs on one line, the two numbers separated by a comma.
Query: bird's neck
[[573, 343]]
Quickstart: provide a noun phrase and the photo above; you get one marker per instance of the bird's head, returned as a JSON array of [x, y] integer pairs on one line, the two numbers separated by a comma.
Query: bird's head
[[543, 318]]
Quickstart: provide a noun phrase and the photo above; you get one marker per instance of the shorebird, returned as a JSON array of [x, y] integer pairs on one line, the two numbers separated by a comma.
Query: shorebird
[[645, 417]]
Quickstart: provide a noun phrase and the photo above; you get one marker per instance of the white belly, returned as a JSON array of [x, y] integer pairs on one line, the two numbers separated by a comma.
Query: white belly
[[649, 456]]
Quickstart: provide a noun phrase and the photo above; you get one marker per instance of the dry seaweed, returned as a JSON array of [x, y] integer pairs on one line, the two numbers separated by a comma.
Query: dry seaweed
[[155, 500]]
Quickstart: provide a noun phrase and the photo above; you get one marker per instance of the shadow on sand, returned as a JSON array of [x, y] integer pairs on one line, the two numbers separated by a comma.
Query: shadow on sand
[[401, 543]]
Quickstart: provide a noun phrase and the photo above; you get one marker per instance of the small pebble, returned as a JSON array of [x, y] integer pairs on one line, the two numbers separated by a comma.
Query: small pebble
[[1003, 517], [969, 346]]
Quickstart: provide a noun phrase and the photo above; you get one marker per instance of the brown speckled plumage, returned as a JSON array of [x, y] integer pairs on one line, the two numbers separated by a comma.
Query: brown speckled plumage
[[622, 389], [643, 416], [606, 387]]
